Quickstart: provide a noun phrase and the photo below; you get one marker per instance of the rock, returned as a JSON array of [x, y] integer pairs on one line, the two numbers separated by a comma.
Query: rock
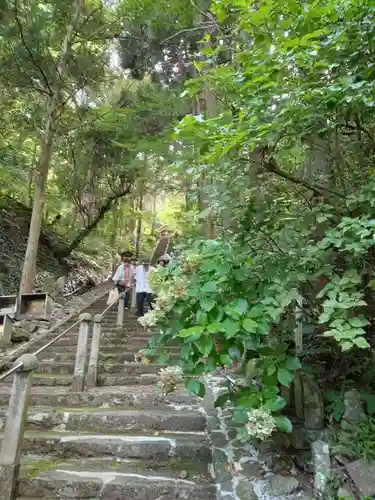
[[362, 473], [322, 467], [183, 474], [354, 412], [304, 460], [19, 335], [245, 490], [344, 493], [281, 485], [29, 326], [312, 403], [298, 395], [301, 438], [279, 462]]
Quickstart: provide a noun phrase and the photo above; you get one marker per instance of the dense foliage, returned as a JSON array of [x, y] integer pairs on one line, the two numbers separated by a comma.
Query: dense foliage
[[285, 163]]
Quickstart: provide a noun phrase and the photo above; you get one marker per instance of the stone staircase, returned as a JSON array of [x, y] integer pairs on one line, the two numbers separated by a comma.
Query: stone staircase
[[121, 440]]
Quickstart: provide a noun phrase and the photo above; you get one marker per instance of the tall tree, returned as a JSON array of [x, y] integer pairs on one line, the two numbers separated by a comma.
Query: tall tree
[[46, 148]]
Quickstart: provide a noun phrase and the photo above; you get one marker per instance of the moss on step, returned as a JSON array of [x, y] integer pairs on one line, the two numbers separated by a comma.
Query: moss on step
[[35, 467]]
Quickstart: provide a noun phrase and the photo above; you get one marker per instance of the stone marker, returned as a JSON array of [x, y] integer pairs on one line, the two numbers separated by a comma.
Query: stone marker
[[354, 412], [313, 403], [322, 467]]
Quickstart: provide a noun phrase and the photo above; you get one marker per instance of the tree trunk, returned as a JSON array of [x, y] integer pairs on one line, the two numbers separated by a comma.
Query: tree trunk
[[115, 218], [154, 216], [139, 224], [41, 173]]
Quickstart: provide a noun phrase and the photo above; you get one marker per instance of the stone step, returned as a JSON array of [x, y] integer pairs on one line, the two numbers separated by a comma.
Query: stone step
[[104, 349], [52, 379], [95, 479], [72, 342], [120, 379], [66, 368], [108, 420], [115, 357], [142, 396], [70, 356], [142, 446]]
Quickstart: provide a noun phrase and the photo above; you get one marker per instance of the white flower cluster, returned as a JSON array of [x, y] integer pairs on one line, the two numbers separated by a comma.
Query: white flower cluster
[[139, 357], [155, 278], [170, 377], [261, 423], [149, 319]]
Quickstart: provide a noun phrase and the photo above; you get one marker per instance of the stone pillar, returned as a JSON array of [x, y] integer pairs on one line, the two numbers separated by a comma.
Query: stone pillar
[[121, 310], [134, 298], [322, 468], [6, 329], [14, 427], [92, 373], [81, 356]]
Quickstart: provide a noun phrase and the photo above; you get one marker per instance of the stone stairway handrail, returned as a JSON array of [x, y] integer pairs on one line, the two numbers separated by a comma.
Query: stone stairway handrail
[[23, 370], [20, 365]]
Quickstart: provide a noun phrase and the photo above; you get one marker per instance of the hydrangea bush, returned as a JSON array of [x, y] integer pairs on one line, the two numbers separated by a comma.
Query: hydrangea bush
[[207, 305]]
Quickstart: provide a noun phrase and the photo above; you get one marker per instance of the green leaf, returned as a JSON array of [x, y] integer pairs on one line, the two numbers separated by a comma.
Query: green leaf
[[250, 325], [284, 376], [276, 404], [225, 359], [358, 322], [205, 345], [345, 346], [240, 416], [195, 387], [293, 364], [251, 368], [199, 368], [230, 327], [201, 317], [215, 327], [283, 423], [271, 369], [241, 306], [255, 312], [207, 303], [189, 332], [222, 399], [324, 318], [185, 351], [361, 342], [209, 287]]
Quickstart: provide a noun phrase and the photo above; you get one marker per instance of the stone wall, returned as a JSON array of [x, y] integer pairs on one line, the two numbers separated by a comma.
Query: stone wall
[[249, 471]]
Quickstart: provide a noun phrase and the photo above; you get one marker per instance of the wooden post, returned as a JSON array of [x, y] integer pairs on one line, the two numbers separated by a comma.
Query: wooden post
[[14, 427], [92, 373], [120, 311], [81, 356]]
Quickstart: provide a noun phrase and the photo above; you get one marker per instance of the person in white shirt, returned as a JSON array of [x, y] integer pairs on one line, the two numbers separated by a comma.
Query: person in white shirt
[[123, 278], [142, 287]]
